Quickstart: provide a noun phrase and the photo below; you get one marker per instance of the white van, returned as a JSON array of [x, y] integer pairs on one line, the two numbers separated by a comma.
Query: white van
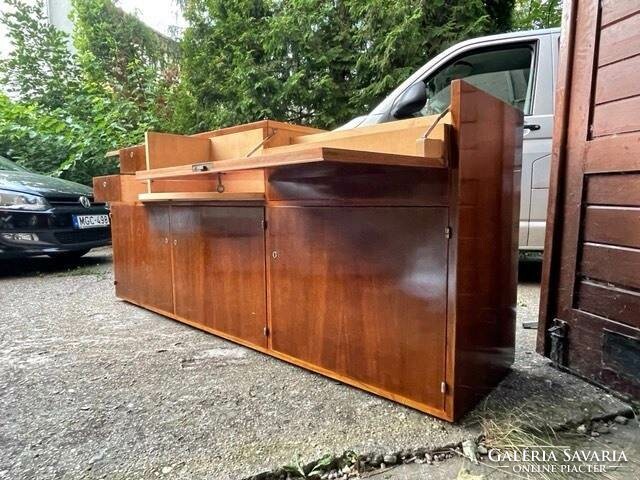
[[519, 68]]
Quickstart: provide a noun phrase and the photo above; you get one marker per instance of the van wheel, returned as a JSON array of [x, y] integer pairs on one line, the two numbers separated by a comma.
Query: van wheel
[[72, 256]]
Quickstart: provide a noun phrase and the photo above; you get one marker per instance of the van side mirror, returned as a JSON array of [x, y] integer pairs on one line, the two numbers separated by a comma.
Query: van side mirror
[[411, 101]]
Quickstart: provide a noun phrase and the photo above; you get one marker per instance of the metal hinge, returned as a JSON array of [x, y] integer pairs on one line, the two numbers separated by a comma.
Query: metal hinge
[[264, 224], [443, 387], [447, 232], [266, 331]]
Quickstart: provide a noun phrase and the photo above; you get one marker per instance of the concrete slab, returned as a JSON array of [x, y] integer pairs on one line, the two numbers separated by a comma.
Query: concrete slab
[[92, 387]]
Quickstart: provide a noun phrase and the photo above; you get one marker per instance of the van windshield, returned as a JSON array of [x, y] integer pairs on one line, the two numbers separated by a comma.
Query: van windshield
[[504, 73]]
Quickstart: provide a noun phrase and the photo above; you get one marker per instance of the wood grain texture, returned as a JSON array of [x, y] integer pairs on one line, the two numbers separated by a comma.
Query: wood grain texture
[[374, 298], [219, 269], [616, 265], [618, 80], [413, 127], [107, 188], [612, 226], [590, 279], [562, 107], [484, 253], [198, 197], [393, 273], [132, 159], [168, 150], [328, 183], [615, 189], [614, 10], [617, 304], [142, 254], [238, 144], [588, 331], [117, 188], [295, 157], [619, 40], [397, 137], [250, 181], [261, 124], [620, 116], [619, 153]]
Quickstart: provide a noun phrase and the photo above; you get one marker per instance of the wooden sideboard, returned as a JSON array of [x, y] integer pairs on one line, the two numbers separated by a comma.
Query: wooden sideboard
[[379, 256]]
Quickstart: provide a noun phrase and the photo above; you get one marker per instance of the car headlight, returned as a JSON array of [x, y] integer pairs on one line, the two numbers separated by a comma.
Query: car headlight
[[22, 201]]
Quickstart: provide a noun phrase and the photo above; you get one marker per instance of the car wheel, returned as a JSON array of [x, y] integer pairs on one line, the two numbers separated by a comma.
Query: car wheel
[[72, 256]]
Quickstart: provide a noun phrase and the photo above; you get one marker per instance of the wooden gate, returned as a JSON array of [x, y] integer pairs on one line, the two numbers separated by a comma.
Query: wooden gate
[[590, 300]]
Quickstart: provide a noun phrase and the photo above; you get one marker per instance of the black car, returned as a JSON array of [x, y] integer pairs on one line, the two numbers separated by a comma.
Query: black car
[[42, 215]]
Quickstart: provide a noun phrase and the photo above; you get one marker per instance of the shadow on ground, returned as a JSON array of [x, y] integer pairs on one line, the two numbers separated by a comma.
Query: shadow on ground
[[36, 266]]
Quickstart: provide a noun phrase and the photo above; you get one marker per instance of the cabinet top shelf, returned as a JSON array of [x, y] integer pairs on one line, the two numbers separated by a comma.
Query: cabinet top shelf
[[295, 157], [199, 197]]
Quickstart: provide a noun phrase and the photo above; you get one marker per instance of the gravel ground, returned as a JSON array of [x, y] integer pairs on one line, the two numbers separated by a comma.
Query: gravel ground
[[92, 387]]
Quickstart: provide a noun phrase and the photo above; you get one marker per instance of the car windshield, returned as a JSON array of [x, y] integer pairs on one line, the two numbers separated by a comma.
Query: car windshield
[[6, 164]]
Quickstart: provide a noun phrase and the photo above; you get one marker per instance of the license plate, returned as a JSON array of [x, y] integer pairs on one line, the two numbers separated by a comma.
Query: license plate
[[90, 221]]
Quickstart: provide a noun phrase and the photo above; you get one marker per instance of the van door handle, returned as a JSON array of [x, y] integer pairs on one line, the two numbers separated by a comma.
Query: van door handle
[[531, 126]]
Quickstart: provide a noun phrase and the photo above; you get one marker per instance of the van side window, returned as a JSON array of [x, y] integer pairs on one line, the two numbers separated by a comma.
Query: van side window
[[504, 73]]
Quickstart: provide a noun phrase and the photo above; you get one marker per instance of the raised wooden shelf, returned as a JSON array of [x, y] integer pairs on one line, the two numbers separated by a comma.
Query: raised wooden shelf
[[199, 197], [296, 157]]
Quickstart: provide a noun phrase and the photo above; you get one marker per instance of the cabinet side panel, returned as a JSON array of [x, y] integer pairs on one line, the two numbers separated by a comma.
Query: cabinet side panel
[[489, 139]]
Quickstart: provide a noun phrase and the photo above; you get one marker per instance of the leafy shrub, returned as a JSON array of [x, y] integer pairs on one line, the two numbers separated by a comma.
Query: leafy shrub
[[64, 111]]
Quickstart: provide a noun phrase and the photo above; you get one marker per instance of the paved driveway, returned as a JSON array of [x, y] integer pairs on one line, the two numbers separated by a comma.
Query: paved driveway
[[92, 387]]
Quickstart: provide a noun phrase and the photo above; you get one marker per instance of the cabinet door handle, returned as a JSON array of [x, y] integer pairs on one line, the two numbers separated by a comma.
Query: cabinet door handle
[[175, 242], [166, 240]]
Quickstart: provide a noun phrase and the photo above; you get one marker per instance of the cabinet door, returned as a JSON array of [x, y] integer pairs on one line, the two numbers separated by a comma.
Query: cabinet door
[[142, 255], [361, 291], [219, 269]]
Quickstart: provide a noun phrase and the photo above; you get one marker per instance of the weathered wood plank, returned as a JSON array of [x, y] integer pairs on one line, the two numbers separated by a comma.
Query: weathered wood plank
[[619, 40], [618, 304], [615, 189], [617, 265], [612, 226]]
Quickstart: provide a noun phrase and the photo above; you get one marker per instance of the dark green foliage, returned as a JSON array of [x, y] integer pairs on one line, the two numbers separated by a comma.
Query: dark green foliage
[[535, 14], [40, 68], [66, 111], [317, 62]]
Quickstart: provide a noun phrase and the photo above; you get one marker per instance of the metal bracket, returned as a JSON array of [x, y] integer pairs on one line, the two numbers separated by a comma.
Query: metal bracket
[[558, 336], [199, 167], [220, 186], [433, 125], [264, 140]]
